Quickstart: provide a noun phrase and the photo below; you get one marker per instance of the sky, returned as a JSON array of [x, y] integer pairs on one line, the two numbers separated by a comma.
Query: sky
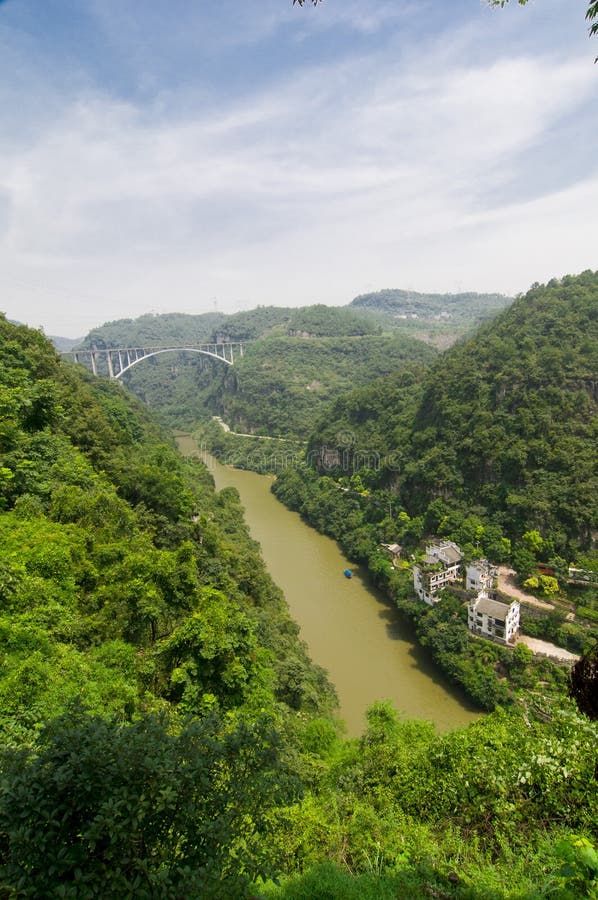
[[192, 155]]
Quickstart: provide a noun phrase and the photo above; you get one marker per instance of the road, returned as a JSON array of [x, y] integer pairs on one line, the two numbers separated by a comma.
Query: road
[[507, 584], [545, 648]]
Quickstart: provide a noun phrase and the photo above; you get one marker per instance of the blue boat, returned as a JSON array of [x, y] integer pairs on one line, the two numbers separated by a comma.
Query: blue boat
[[348, 573]]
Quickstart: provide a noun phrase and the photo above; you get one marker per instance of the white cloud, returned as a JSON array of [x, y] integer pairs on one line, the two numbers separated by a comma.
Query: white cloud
[[370, 172]]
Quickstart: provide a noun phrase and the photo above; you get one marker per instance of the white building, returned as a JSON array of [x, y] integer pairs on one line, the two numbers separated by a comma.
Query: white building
[[494, 619], [480, 576], [439, 567]]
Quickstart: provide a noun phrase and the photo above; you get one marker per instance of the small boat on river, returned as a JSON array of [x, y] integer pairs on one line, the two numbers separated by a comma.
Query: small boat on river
[[348, 573]]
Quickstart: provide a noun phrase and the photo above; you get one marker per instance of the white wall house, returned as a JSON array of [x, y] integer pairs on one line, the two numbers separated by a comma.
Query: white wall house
[[480, 576], [440, 566], [494, 619]]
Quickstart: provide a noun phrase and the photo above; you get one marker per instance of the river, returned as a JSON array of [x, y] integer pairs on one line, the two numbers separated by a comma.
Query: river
[[350, 629]]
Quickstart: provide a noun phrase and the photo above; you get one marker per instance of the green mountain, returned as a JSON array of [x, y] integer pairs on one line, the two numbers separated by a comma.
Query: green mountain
[[283, 383], [248, 325], [312, 355], [459, 309], [155, 330], [437, 319], [162, 731], [504, 423], [295, 362]]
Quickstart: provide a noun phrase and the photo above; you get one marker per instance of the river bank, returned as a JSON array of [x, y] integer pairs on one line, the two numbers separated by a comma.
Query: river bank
[[369, 651]]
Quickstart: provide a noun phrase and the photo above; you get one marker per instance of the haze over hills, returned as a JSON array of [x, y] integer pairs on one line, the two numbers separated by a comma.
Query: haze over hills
[[387, 310], [438, 319]]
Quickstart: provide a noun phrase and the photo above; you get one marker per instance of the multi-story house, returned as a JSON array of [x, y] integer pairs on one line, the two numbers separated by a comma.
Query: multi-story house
[[439, 567], [494, 619], [481, 576]]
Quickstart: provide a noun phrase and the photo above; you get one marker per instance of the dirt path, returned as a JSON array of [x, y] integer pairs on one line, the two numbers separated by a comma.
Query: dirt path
[[547, 649], [257, 437], [508, 585]]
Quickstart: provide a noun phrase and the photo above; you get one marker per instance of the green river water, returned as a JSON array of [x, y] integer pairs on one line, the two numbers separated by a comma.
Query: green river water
[[369, 652]]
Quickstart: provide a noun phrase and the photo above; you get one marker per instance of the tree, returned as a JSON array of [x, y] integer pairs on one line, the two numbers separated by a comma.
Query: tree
[[584, 683], [145, 810]]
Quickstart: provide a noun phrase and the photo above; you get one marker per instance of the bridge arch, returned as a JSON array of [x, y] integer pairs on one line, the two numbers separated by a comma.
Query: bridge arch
[[129, 366], [118, 360]]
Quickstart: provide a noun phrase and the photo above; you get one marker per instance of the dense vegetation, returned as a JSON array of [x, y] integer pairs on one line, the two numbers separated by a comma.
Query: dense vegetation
[[495, 448], [464, 308], [438, 319], [128, 587], [504, 425], [164, 734], [155, 330], [296, 368], [296, 362], [360, 520], [282, 384]]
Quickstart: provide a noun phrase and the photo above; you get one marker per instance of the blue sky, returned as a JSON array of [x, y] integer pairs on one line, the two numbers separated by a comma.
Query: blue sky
[[186, 155]]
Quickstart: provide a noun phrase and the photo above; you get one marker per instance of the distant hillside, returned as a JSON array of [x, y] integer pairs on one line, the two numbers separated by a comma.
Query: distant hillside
[[178, 328], [330, 321], [438, 319], [283, 383], [252, 323], [465, 307], [175, 328], [296, 362], [313, 355], [505, 423], [64, 343]]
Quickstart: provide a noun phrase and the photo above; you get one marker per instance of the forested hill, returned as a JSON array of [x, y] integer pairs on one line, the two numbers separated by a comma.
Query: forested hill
[[179, 328], [505, 423], [460, 309], [110, 537], [437, 319], [130, 593], [282, 384], [158, 330], [162, 732], [296, 361]]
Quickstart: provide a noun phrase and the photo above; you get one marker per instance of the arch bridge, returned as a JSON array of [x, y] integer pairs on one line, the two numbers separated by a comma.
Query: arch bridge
[[118, 360]]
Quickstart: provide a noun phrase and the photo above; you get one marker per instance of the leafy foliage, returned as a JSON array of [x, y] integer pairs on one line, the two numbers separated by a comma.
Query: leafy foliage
[[148, 809], [462, 310], [124, 579], [505, 423], [282, 383], [296, 362], [160, 719]]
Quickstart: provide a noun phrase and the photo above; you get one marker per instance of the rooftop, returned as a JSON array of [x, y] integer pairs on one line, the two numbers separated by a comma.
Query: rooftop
[[447, 550], [452, 554], [493, 608]]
